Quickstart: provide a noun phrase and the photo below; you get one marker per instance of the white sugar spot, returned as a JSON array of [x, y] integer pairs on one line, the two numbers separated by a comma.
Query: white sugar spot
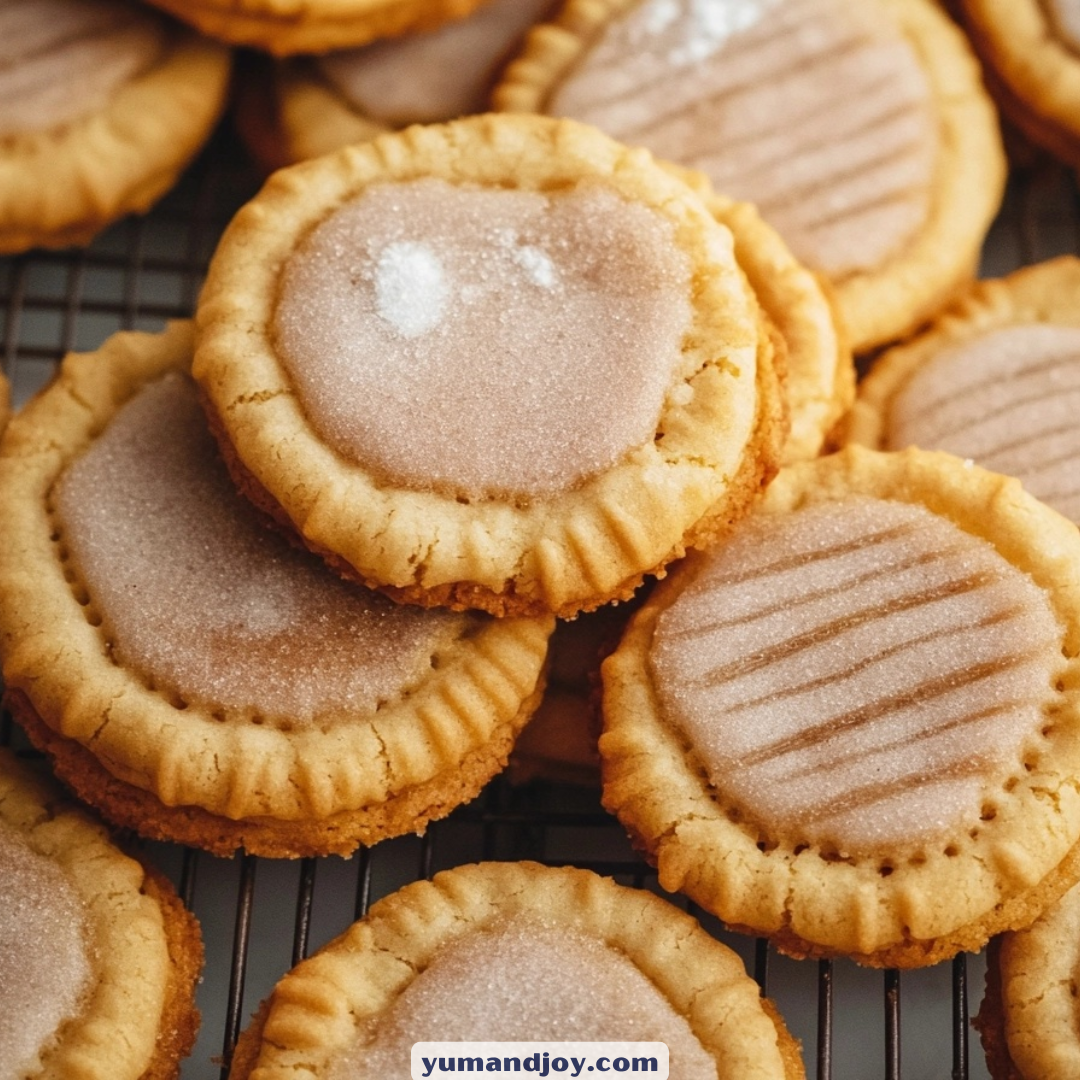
[[660, 15], [410, 287], [537, 264], [707, 25]]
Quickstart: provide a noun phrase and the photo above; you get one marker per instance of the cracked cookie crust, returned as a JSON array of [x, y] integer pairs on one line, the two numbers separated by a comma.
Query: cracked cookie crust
[[503, 363], [852, 726], [198, 679], [518, 952]]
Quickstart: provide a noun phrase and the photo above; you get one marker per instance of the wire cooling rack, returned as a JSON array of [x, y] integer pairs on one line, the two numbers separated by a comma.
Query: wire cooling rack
[[260, 916]]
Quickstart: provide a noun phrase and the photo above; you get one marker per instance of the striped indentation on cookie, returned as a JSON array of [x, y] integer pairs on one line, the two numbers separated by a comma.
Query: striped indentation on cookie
[[63, 59], [1009, 400], [857, 674], [816, 110]]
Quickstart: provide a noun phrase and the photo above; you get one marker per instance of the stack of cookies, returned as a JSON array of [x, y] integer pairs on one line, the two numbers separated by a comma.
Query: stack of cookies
[[284, 578], [575, 382]]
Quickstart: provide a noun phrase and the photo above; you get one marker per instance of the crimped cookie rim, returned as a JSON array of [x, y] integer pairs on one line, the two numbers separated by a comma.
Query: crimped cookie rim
[[803, 306], [560, 551], [237, 770], [281, 29], [1046, 292], [363, 970], [199, 67], [1036, 66], [1036, 965]]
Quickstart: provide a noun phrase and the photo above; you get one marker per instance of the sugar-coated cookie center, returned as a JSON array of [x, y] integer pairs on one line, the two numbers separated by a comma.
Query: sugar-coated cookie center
[[485, 342], [45, 964], [63, 59], [1065, 17], [524, 983], [1008, 399], [439, 75], [858, 674], [201, 598], [818, 111]]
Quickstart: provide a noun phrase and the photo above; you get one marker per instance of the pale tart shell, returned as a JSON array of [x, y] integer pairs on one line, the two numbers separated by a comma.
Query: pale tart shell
[[883, 305], [902, 908], [175, 770], [315, 1010], [139, 1015], [572, 551], [1045, 293], [63, 186]]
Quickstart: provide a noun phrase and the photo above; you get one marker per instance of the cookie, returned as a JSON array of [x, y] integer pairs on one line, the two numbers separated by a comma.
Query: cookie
[[820, 372], [1031, 53], [447, 960], [98, 957], [995, 379], [566, 380], [852, 726], [1028, 1017], [860, 130], [102, 106], [195, 677], [283, 27], [319, 104]]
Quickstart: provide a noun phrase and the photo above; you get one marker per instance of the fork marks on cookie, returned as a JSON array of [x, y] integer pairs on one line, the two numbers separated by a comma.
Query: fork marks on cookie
[[857, 673]]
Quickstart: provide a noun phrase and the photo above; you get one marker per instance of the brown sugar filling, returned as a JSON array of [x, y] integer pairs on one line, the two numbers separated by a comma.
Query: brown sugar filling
[[198, 596], [63, 59], [818, 111], [45, 965], [1007, 399], [858, 674], [485, 342], [438, 75], [524, 983]]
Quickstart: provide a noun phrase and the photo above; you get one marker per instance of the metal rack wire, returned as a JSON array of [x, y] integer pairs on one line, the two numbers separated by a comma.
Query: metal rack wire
[[261, 916]]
